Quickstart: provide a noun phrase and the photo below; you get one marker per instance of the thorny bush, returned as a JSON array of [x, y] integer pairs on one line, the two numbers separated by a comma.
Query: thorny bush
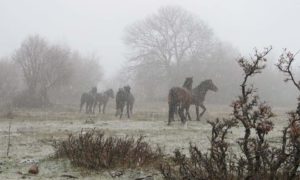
[[93, 150], [258, 159]]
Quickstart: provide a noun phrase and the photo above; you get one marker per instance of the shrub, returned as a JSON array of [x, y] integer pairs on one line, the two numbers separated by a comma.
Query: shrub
[[93, 150]]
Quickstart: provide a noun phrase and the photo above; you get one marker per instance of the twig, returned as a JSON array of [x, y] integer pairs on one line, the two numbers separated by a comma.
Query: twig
[[8, 143], [69, 176]]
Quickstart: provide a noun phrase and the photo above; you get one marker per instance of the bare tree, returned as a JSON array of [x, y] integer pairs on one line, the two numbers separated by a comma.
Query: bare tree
[[56, 70], [44, 67], [31, 57], [167, 39], [172, 44], [86, 72], [9, 81]]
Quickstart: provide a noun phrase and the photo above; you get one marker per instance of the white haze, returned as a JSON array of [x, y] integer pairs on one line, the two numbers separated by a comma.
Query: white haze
[[97, 26]]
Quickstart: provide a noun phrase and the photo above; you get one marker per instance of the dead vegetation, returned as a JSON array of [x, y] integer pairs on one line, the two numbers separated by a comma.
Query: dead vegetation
[[94, 150]]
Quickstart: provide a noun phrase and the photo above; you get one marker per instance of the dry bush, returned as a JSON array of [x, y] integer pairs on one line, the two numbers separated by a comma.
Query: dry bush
[[291, 140], [258, 159], [93, 150], [217, 163]]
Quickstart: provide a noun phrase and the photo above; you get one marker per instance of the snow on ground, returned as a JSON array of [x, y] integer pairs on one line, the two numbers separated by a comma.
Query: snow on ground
[[33, 132]]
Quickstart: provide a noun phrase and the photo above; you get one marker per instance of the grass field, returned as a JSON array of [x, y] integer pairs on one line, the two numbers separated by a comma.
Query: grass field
[[33, 133]]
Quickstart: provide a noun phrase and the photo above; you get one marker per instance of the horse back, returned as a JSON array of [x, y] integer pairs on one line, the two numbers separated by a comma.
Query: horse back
[[179, 95]]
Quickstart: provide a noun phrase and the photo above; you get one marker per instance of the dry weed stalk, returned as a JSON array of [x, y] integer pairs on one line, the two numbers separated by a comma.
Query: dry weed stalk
[[8, 142]]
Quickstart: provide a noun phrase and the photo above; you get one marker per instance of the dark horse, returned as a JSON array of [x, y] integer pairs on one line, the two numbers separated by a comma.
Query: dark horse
[[102, 99], [198, 96], [124, 97], [180, 97], [88, 99]]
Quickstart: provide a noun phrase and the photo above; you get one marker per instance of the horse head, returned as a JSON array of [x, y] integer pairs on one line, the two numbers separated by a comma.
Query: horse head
[[188, 83], [210, 85], [127, 88]]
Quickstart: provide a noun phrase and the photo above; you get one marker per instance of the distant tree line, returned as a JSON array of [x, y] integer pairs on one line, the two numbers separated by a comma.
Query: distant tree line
[[162, 50], [39, 74]]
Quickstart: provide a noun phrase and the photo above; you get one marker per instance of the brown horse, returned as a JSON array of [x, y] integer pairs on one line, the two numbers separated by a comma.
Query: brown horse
[[198, 96], [180, 97], [88, 99]]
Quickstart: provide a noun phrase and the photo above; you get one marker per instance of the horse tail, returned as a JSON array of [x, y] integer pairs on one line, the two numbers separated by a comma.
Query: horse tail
[[172, 104]]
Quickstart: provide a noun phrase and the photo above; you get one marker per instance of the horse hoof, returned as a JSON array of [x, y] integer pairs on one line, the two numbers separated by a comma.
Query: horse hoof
[[184, 125]]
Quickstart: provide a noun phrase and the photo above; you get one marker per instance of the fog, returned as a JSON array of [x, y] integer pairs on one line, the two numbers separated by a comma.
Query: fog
[[97, 30], [98, 26], [149, 89]]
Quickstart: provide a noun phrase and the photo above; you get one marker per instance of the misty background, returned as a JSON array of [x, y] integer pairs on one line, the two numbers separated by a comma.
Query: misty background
[[52, 51]]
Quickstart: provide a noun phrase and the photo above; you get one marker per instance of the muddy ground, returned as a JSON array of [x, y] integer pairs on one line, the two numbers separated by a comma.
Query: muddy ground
[[34, 131]]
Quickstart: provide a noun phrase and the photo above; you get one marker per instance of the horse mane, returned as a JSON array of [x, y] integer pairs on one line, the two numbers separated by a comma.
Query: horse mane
[[202, 85], [188, 83]]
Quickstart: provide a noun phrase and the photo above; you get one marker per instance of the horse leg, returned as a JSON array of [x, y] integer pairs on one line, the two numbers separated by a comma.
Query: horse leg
[[171, 113], [89, 108], [197, 113], [127, 108], [188, 113], [81, 104], [117, 109], [99, 107], [86, 107], [103, 109], [94, 106], [181, 114], [117, 112], [176, 110], [121, 111], [131, 108], [204, 109]]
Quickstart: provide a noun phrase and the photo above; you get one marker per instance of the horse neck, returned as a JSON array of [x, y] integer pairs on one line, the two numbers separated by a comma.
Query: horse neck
[[200, 91], [188, 86]]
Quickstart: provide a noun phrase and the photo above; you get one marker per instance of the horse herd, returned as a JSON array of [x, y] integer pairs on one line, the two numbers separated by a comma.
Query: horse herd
[[92, 98], [179, 99]]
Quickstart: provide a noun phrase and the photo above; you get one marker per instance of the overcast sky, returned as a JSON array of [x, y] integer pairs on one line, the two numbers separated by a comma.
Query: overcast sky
[[97, 26]]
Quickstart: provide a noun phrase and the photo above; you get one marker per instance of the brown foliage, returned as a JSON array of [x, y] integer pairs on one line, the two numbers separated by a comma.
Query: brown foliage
[[94, 150]]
